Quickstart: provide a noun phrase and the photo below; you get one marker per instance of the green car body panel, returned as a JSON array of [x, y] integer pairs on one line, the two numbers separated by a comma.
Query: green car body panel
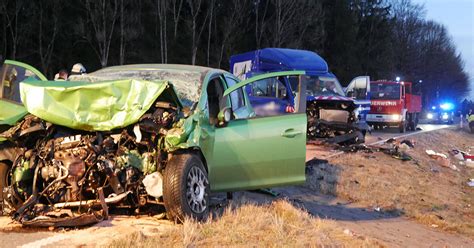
[[248, 153], [10, 111], [78, 105]]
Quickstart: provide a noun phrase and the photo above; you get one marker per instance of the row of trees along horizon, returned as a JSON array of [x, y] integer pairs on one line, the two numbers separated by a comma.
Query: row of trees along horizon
[[379, 38]]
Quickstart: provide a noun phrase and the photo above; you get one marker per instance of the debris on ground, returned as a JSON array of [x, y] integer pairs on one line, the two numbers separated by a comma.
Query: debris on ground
[[464, 158], [471, 182], [436, 155], [391, 147], [442, 159], [409, 143]]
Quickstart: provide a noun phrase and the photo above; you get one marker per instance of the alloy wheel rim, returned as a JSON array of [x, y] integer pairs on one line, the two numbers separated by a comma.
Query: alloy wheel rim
[[196, 194]]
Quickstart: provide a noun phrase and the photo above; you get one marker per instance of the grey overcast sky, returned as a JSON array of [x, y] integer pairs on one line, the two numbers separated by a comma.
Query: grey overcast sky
[[458, 17]]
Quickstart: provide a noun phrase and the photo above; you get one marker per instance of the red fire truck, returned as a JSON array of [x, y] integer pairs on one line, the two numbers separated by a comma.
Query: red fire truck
[[393, 104]]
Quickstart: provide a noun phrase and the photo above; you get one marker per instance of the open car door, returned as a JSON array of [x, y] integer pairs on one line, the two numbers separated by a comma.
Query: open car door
[[11, 74], [260, 151], [359, 88]]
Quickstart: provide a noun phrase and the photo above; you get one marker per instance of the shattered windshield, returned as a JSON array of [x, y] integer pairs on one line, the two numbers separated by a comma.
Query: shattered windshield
[[186, 83], [323, 86], [385, 91]]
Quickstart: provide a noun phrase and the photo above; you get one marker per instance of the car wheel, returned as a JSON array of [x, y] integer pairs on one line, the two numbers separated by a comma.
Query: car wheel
[[186, 188]]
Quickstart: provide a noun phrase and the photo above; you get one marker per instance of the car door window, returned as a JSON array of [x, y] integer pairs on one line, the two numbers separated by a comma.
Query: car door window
[[215, 99], [270, 87], [12, 75], [237, 96]]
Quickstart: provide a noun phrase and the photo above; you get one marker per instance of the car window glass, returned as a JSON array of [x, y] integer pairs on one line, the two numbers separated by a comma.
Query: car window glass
[[11, 81], [215, 99], [270, 97], [237, 96], [270, 87]]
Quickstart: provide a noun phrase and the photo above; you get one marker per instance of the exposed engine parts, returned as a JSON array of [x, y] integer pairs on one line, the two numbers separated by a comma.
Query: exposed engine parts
[[333, 121], [67, 177]]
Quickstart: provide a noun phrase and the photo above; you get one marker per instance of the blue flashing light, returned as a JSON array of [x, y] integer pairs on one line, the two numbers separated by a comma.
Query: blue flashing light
[[447, 106], [433, 108]]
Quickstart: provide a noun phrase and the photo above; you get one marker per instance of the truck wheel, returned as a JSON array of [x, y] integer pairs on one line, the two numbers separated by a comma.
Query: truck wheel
[[186, 188], [403, 127]]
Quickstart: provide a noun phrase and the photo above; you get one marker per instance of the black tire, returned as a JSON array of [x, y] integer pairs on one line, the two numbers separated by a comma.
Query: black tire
[[186, 188], [402, 127]]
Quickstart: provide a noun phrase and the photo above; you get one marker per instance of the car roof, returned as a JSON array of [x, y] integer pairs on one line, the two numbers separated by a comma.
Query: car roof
[[180, 67], [277, 59]]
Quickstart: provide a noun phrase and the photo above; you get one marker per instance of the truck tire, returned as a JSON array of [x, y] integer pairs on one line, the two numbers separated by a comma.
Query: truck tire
[[413, 122], [402, 127], [186, 188]]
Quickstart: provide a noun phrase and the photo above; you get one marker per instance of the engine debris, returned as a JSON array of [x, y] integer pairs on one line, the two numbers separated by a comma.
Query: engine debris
[[63, 177]]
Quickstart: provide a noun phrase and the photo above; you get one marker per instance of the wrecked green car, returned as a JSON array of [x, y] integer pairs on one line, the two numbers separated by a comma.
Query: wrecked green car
[[135, 135]]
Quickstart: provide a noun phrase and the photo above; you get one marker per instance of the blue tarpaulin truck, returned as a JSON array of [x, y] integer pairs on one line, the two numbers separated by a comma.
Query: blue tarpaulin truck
[[334, 114]]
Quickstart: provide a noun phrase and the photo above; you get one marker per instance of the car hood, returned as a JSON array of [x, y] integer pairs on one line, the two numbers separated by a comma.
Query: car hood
[[98, 106], [11, 112]]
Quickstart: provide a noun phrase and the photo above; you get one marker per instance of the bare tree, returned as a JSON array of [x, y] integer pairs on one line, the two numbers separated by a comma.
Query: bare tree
[[285, 13], [102, 16], [235, 22], [130, 25], [176, 6], [211, 17], [407, 32], [195, 7], [13, 22], [260, 21], [161, 10], [46, 40]]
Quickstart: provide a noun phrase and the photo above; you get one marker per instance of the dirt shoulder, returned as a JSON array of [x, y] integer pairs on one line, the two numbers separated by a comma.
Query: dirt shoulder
[[427, 190], [354, 200]]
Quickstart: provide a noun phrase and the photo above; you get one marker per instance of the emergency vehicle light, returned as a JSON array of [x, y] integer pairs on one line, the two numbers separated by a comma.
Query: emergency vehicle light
[[447, 106]]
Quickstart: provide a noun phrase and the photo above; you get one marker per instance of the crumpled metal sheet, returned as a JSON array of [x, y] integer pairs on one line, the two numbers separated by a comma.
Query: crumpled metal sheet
[[74, 221], [185, 133], [186, 83], [100, 106]]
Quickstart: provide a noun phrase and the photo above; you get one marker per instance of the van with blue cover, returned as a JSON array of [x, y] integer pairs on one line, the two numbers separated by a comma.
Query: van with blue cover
[[334, 114]]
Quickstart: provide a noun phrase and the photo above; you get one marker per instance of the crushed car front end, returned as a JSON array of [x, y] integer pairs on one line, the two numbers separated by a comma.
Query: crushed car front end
[[85, 146], [332, 117]]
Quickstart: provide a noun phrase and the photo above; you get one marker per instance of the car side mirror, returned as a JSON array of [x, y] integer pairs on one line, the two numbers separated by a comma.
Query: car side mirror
[[224, 117]]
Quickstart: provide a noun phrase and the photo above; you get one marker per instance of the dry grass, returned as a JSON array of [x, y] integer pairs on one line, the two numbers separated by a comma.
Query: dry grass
[[276, 225], [421, 189]]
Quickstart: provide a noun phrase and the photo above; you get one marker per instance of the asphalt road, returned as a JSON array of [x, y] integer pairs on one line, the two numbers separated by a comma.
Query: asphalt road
[[388, 133]]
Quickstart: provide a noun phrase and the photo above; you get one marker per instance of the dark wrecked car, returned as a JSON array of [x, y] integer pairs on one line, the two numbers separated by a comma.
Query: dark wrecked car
[[137, 135]]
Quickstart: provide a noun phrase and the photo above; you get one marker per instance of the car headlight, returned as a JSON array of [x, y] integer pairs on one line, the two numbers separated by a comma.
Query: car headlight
[[429, 116], [395, 117], [445, 116]]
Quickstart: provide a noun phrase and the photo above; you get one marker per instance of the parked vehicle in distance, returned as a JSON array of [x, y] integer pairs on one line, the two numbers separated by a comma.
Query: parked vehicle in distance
[[141, 134], [394, 104], [441, 113], [332, 116]]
